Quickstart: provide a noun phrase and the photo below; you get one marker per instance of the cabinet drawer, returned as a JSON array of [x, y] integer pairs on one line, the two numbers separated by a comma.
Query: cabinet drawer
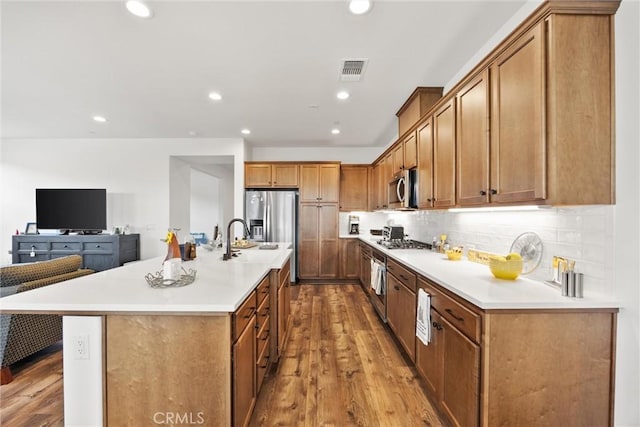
[[262, 363], [365, 249], [263, 335], [38, 246], [263, 312], [66, 246], [244, 315], [465, 320], [106, 247], [406, 277], [263, 289]]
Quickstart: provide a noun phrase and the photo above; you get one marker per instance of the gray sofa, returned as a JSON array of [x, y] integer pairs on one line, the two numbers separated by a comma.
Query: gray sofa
[[22, 335]]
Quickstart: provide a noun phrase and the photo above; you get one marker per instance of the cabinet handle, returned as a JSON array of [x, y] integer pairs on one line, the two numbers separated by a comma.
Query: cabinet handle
[[494, 191], [437, 325], [97, 246], [257, 326], [251, 310], [403, 278], [429, 200], [459, 319], [396, 287], [275, 182], [483, 193], [265, 314]]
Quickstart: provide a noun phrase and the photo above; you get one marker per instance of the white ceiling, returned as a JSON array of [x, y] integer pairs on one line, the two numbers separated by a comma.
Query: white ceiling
[[63, 62]]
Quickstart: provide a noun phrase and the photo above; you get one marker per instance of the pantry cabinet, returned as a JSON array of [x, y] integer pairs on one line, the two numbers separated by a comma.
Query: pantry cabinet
[[444, 156], [518, 135], [320, 182], [318, 241], [354, 183], [472, 141], [267, 175]]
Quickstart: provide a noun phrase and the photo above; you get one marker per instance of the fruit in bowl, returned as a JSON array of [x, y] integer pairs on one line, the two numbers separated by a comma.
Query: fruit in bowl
[[506, 267], [454, 254]]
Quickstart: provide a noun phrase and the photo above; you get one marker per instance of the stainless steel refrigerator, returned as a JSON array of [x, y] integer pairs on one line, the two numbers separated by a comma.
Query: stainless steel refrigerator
[[272, 216]]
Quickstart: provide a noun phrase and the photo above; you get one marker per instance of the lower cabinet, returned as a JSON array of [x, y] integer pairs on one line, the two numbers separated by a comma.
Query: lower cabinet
[[349, 257], [244, 361], [284, 307], [401, 313], [365, 267]]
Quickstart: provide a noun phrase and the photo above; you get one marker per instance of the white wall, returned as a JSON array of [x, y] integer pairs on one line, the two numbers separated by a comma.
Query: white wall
[[206, 204], [136, 174], [347, 155]]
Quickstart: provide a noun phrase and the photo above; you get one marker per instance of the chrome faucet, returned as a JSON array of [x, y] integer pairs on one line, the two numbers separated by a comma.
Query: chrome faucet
[[227, 255]]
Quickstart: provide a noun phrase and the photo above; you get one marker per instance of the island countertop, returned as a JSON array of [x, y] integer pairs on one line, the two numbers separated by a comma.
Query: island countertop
[[219, 287], [475, 283]]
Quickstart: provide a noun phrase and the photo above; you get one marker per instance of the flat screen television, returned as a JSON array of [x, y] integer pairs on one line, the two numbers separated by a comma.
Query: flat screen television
[[72, 209]]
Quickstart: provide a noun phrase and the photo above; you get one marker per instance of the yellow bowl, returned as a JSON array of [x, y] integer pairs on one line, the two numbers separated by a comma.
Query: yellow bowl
[[505, 269], [453, 255]]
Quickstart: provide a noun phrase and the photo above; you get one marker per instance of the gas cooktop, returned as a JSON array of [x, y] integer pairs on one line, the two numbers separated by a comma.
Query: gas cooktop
[[404, 244]]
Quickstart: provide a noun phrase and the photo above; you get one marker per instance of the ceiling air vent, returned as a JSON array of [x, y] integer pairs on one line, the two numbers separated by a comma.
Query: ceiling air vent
[[353, 70]]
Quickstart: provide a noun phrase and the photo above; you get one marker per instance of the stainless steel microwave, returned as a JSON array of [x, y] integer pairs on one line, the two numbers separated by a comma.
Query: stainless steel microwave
[[403, 189]]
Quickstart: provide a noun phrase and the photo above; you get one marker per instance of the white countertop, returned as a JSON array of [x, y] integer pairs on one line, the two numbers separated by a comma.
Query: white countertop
[[219, 287], [475, 283]]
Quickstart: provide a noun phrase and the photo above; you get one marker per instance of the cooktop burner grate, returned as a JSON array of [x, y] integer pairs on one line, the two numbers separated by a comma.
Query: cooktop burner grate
[[404, 244]]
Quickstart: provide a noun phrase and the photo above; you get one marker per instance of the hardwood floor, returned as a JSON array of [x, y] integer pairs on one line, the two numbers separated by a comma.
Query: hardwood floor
[[34, 397], [340, 368]]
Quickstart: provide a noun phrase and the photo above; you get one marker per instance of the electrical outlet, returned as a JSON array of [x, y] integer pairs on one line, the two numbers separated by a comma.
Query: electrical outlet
[[81, 347]]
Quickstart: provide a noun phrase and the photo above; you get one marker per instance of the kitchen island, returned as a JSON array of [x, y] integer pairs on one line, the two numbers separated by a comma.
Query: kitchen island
[[136, 355]]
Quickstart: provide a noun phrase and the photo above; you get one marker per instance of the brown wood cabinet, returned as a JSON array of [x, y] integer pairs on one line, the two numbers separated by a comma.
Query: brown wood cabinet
[[472, 141], [410, 145], [267, 175], [401, 305], [365, 267], [354, 183], [379, 185], [318, 249], [518, 135], [244, 362], [398, 158], [425, 164], [349, 259], [284, 307], [320, 183], [444, 156]]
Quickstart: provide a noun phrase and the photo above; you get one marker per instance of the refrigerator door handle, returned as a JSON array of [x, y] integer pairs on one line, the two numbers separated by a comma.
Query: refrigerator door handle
[[267, 216]]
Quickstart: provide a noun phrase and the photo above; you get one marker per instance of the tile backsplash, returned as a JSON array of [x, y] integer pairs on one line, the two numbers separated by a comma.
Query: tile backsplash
[[584, 234]]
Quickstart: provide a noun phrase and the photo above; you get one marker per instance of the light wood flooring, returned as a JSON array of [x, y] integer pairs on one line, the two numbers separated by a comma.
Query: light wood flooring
[[340, 368]]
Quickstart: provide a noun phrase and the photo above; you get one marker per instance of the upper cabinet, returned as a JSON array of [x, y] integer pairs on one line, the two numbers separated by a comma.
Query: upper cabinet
[[265, 175], [320, 182], [518, 163], [425, 164], [398, 159], [472, 141], [444, 156], [410, 146], [354, 180]]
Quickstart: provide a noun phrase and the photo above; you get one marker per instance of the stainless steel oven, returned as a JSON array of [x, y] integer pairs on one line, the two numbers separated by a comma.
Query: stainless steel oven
[[402, 190]]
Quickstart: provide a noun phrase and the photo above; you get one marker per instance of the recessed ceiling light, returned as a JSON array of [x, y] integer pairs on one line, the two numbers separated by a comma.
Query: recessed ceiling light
[[359, 7], [215, 96], [139, 9], [245, 131], [335, 131], [343, 94], [99, 119]]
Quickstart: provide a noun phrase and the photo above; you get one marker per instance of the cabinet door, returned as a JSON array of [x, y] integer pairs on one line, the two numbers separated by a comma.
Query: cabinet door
[[401, 314], [444, 156], [309, 183], [349, 259], [285, 175], [328, 239], [410, 151], [377, 189], [353, 184], [518, 165], [308, 243], [244, 374], [429, 361], [365, 272], [472, 115], [329, 179], [425, 164], [398, 158], [460, 376], [257, 175]]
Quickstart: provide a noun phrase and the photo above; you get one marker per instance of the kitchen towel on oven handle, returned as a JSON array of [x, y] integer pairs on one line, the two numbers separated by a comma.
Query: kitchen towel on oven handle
[[423, 319], [377, 277]]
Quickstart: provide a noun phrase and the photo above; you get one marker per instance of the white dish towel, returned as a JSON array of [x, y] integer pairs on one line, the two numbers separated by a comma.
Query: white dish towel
[[377, 277], [423, 319]]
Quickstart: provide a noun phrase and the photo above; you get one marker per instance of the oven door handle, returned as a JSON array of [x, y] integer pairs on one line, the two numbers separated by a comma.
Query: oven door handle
[[401, 182]]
